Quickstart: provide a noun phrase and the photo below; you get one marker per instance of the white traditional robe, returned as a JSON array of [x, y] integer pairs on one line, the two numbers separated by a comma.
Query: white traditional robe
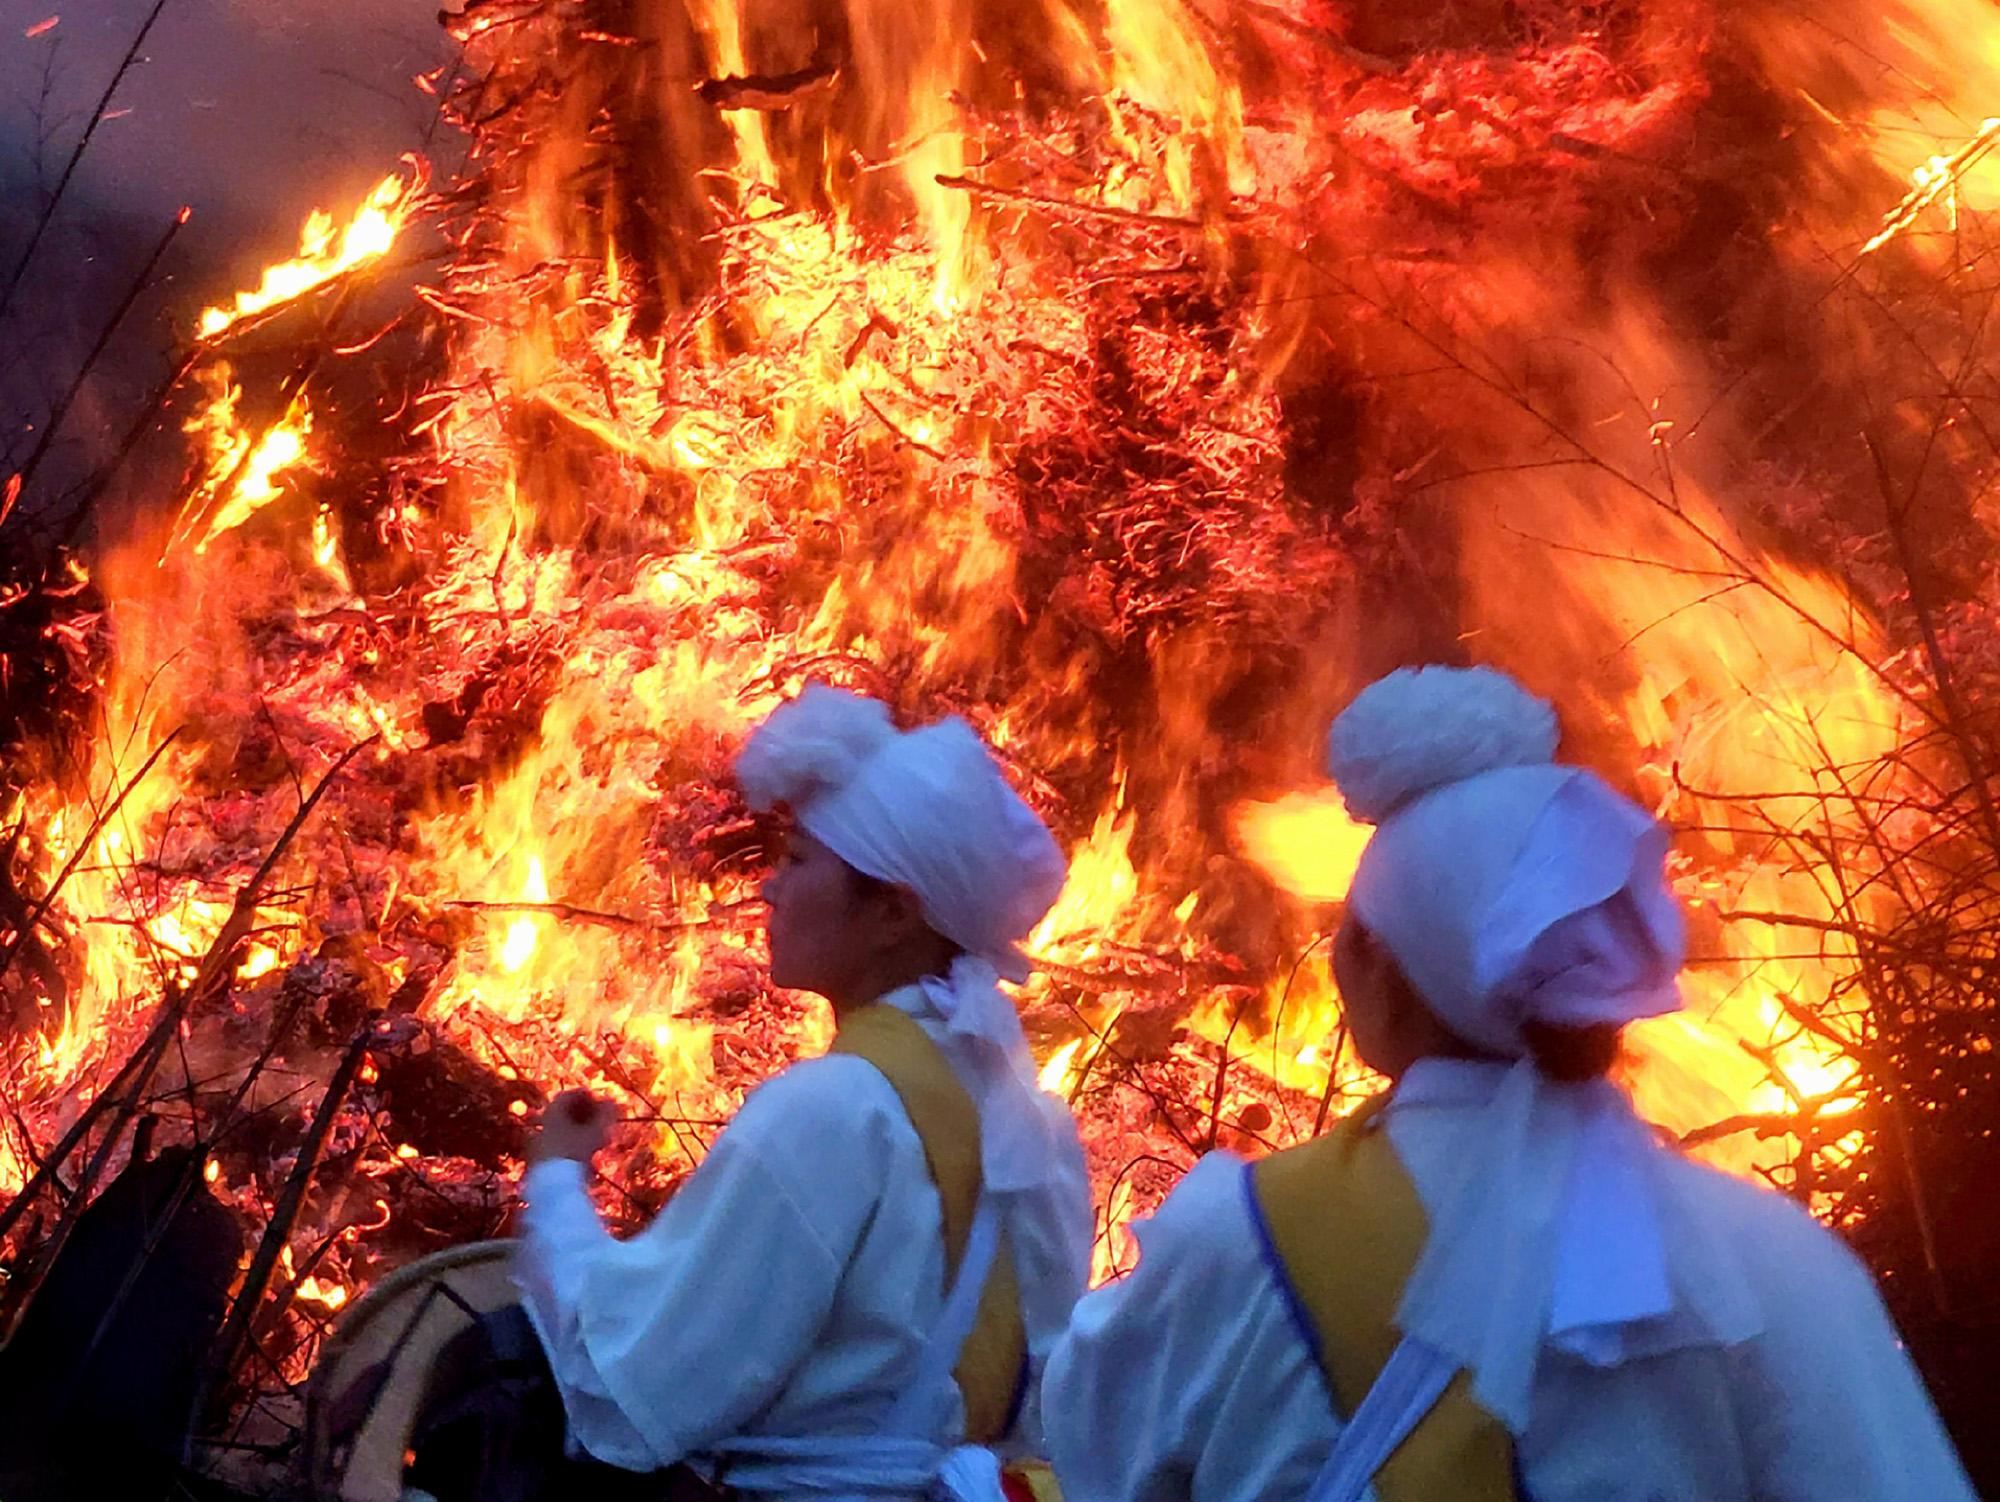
[[784, 1292], [1191, 1379]]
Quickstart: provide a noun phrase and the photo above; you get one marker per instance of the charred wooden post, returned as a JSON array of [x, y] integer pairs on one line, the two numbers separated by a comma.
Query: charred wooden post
[[244, 1311]]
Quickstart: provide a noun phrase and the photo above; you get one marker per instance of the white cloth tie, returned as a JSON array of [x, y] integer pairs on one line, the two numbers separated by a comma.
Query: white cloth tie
[[1547, 1230], [1407, 1388]]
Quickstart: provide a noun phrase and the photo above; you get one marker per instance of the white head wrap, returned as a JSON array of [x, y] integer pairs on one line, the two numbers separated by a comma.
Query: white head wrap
[[930, 810], [1511, 889]]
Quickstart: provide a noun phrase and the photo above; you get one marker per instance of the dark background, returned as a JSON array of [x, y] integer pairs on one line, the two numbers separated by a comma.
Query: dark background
[[251, 113]]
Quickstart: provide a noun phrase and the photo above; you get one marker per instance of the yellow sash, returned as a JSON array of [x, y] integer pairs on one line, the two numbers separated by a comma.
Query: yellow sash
[[1346, 1222], [947, 1123]]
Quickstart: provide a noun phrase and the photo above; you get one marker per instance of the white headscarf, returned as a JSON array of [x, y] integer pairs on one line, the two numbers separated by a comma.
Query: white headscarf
[[930, 810], [1511, 889]]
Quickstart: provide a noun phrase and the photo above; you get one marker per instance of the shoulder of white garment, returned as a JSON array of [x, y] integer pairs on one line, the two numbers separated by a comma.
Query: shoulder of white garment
[[818, 1118], [1187, 1376], [834, 1084], [552, 1176], [1814, 1294], [1201, 1238], [1844, 1413], [1778, 1245], [1206, 1214]]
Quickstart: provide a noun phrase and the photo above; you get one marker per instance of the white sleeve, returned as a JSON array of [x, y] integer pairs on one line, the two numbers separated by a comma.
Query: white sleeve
[[670, 1341], [1144, 1397], [560, 1235], [558, 1220], [1846, 1417], [1111, 1417]]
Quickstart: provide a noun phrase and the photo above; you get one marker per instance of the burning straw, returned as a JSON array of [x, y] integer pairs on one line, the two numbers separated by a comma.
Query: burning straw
[[1134, 383]]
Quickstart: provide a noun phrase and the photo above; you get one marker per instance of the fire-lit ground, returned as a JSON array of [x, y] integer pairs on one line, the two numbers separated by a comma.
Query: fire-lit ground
[[1134, 379]]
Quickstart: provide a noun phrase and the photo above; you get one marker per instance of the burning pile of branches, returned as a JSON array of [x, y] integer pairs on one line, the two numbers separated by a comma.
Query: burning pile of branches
[[1132, 380]]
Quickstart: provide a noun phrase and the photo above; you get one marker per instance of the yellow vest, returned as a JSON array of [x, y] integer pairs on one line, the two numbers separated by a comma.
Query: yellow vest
[[1346, 1223], [947, 1123]]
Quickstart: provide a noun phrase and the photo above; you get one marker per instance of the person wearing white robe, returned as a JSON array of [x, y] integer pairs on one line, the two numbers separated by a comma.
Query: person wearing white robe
[[772, 1315], [1647, 1329]]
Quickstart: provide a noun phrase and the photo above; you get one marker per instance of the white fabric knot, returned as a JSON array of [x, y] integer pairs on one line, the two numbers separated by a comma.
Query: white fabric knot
[[1023, 1129], [1029, 1151], [1420, 728], [1548, 1233], [813, 745], [970, 1473]]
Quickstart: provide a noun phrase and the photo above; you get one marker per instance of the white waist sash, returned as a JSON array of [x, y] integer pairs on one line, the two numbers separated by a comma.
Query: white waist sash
[[898, 1460]]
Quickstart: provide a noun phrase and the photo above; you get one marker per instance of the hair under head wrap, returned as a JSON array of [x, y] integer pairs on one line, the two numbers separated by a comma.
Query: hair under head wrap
[[1509, 888], [928, 810]]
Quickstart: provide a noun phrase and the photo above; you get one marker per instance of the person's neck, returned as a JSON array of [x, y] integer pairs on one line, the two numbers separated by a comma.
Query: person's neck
[[900, 969], [855, 1001], [1421, 1036]]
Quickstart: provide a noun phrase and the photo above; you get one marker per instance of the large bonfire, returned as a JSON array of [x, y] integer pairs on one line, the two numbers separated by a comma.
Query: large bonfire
[[1133, 377]]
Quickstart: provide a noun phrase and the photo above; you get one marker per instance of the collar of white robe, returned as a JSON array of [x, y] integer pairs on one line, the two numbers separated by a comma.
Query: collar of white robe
[[1511, 889]]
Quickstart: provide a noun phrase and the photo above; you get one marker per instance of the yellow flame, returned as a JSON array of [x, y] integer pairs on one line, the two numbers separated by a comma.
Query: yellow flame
[[1938, 178], [322, 1291], [242, 474], [524, 933], [1055, 1074], [323, 253], [1304, 841], [1102, 887]]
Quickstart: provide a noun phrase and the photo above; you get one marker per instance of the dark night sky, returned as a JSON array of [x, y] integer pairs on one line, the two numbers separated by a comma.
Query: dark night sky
[[251, 112]]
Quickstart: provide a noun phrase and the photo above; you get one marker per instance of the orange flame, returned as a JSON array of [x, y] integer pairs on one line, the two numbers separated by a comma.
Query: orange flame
[[324, 253], [647, 525]]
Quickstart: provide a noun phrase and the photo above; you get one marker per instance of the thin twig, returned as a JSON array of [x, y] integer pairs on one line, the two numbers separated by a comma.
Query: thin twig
[[217, 965], [1332, 1077], [582, 915], [1222, 1074], [41, 908], [83, 144], [896, 428], [60, 413], [1934, 654], [1366, 62], [164, 1027], [284, 1217], [1065, 205], [94, 488]]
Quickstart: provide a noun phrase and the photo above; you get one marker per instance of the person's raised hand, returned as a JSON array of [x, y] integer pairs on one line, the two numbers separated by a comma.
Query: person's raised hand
[[576, 1125]]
